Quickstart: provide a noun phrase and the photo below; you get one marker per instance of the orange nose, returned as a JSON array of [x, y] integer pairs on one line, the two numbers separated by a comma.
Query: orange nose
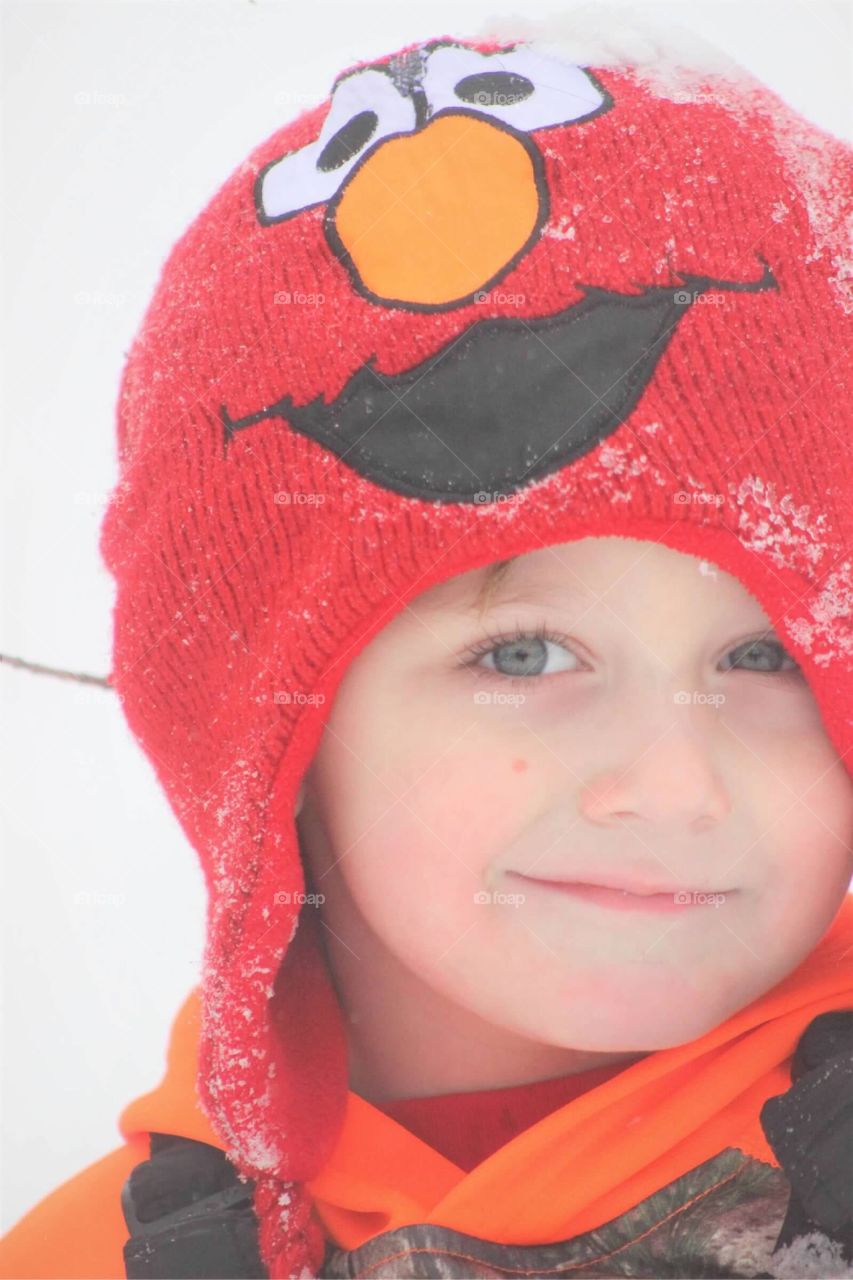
[[432, 216]]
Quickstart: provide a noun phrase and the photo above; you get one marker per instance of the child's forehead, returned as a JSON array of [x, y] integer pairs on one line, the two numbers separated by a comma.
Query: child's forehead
[[582, 569]]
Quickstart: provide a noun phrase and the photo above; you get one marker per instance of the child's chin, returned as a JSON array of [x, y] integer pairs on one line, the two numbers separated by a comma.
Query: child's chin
[[640, 1011]]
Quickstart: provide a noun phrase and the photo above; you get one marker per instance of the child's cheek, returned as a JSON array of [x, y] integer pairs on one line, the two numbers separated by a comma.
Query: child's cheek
[[432, 852], [799, 778], [476, 801]]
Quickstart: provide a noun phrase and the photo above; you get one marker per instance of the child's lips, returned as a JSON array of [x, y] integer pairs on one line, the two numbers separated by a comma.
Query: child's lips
[[633, 898]]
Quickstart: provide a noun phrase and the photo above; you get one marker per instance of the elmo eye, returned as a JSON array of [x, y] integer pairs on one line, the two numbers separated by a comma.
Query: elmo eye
[[366, 107], [523, 88], [494, 88], [348, 141]]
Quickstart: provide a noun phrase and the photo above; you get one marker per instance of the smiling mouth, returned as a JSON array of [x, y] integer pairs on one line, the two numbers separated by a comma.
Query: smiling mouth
[[403, 431], [637, 898]]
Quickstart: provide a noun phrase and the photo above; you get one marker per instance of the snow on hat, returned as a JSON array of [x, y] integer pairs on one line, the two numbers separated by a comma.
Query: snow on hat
[[484, 298]]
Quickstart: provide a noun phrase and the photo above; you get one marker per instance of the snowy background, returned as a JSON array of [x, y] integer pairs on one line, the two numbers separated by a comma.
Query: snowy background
[[121, 121]]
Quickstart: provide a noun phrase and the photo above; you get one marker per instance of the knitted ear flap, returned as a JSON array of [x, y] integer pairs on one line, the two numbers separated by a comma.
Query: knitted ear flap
[[290, 1238]]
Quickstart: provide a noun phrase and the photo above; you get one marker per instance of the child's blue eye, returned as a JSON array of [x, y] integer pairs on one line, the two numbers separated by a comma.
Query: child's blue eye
[[524, 656], [763, 652], [528, 655]]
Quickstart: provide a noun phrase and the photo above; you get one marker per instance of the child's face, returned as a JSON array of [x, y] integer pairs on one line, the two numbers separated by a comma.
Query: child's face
[[644, 744]]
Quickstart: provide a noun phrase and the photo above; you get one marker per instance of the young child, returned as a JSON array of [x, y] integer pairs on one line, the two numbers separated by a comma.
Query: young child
[[484, 585]]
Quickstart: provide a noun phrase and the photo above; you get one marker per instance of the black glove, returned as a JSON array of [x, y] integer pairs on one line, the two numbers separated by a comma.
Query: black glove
[[810, 1129]]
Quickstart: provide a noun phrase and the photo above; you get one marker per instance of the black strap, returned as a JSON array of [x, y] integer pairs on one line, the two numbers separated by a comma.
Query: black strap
[[189, 1215]]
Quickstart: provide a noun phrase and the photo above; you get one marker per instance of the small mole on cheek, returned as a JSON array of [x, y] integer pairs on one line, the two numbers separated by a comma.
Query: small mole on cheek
[[519, 766]]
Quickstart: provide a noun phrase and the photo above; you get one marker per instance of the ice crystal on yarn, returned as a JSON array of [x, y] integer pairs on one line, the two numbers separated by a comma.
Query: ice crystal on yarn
[[614, 35], [565, 229], [819, 174], [789, 535], [615, 465], [831, 619], [680, 65]]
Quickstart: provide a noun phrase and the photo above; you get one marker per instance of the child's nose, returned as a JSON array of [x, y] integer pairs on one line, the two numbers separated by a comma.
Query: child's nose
[[672, 779]]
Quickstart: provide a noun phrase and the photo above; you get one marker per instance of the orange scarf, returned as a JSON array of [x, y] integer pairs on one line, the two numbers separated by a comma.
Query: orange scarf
[[603, 1152], [585, 1163]]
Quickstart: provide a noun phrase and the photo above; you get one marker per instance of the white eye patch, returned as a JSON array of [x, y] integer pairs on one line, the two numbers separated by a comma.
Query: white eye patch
[[523, 88], [365, 107]]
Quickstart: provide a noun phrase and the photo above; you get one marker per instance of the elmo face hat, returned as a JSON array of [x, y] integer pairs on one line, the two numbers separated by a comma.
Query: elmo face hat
[[481, 300]]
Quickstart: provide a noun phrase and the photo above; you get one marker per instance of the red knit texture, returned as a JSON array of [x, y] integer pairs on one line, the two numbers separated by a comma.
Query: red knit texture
[[237, 613]]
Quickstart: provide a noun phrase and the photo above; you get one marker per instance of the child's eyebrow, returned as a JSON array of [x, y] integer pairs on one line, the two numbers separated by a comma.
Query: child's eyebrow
[[506, 591], [499, 586]]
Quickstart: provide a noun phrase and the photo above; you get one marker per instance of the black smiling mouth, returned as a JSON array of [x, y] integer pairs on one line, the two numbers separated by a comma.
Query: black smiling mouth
[[507, 402]]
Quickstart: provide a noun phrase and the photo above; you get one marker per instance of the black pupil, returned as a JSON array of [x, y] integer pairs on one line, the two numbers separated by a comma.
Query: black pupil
[[530, 654], [494, 88], [348, 141]]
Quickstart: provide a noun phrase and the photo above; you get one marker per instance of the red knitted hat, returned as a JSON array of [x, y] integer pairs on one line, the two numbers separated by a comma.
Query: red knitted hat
[[481, 300]]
